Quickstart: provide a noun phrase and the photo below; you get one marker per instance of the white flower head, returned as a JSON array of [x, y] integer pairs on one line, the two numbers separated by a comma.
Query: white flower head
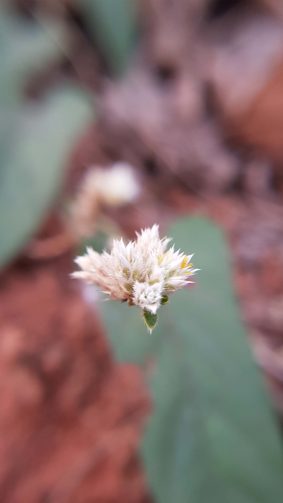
[[142, 272], [103, 187]]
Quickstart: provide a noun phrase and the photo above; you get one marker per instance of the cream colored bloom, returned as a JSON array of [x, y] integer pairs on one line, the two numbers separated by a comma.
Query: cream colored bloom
[[148, 296], [102, 187], [142, 272]]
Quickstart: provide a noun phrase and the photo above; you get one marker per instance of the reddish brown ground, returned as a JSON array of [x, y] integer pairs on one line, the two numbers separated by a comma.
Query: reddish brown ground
[[70, 417]]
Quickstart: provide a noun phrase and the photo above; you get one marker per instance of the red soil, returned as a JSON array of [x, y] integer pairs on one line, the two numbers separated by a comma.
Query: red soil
[[70, 417]]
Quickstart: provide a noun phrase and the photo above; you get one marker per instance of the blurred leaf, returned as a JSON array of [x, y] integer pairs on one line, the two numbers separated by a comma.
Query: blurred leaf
[[98, 242], [25, 47], [212, 436], [113, 25], [32, 164], [128, 334]]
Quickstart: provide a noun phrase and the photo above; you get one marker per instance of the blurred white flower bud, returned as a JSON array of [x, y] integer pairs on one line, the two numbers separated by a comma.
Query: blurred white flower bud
[[103, 187]]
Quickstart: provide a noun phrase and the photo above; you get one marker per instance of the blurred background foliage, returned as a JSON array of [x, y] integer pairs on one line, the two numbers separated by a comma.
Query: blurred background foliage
[[116, 45], [35, 137], [190, 95]]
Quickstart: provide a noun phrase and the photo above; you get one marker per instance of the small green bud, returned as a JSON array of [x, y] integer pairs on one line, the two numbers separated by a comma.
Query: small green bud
[[164, 300], [150, 320]]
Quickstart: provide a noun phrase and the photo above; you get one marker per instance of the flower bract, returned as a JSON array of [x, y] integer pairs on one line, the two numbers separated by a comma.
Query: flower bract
[[143, 272]]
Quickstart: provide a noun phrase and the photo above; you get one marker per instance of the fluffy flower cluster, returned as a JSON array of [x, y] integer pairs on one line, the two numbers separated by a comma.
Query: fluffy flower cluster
[[102, 187], [142, 272]]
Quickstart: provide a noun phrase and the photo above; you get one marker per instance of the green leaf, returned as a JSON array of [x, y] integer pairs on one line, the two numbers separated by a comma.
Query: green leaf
[[212, 435], [26, 46], [150, 320], [126, 332], [98, 242], [32, 164], [113, 25]]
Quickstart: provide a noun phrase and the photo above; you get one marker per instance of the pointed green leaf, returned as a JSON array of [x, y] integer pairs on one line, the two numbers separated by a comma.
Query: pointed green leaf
[[150, 320]]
